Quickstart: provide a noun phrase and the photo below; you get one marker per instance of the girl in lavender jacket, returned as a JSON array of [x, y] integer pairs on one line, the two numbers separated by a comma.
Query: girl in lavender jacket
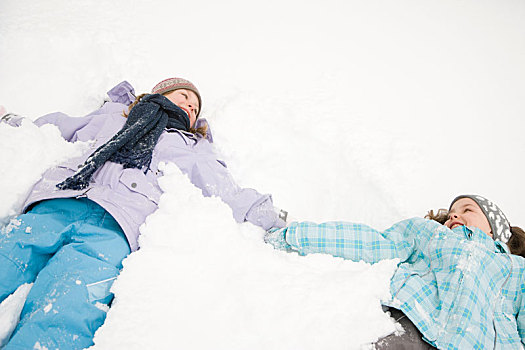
[[82, 218]]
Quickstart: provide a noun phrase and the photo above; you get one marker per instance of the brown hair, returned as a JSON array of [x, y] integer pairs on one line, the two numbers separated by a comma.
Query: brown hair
[[203, 130], [516, 242], [441, 216]]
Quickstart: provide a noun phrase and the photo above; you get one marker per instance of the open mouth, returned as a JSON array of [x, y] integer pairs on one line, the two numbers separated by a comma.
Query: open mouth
[[185, 110], [456, 224]]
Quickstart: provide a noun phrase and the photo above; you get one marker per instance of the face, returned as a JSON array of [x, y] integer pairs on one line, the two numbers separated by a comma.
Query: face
[[187, 100], [465, 212]]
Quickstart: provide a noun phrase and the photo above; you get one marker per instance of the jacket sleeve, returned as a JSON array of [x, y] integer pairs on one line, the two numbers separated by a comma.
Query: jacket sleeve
[[66, 124], [246, 203], [200, 163], [356, 241], [120, 96]]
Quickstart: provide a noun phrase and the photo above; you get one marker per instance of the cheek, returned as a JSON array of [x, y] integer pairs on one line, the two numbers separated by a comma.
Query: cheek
[[487, 225], [482, 223], [174, 98], [175, 101]]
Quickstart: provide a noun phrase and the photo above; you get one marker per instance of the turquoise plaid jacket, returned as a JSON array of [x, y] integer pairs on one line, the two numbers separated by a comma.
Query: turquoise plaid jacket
[[459, 287]]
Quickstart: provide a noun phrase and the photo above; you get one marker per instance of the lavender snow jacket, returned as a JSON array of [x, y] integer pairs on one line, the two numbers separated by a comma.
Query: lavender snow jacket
[[129, 195]]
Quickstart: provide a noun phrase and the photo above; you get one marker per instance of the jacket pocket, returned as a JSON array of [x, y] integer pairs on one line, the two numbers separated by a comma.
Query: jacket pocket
[[136, 181], [506, 323], [99, 292]]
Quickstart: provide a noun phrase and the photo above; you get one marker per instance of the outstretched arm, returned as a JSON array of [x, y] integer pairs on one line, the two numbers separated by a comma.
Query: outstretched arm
[[246, 203], [351, 240], [66, 124], [200, 162], [120, 97], [10, 118]]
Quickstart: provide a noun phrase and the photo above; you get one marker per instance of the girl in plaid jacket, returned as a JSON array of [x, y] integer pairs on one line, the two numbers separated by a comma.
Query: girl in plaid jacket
[[460, 278]]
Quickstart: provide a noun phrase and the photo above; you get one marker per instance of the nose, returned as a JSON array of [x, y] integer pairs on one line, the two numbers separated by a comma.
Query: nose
[[453, 216], [192, 108]]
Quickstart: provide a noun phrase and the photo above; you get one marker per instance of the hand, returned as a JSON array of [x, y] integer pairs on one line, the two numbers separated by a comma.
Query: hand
[[277, 238], [10, 118]]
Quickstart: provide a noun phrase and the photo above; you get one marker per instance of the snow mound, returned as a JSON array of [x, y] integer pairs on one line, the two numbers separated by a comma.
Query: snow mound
[[10, 310], [202, 281], [27, 152]]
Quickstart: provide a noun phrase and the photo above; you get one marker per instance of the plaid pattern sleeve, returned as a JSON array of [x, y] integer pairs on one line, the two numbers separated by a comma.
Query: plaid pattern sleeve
[[355, 241]]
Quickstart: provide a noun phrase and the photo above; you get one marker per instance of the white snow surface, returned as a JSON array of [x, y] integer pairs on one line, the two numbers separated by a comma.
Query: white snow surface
[[368, 111], [27, 152], [213, 285], [10, 310]]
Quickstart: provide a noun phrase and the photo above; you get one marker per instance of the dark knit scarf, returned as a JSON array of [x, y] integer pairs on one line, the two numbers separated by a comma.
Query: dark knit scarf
[[133, 145]]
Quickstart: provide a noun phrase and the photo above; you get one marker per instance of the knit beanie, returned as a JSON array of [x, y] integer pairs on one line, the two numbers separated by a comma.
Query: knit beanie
[[172, 84], [499, 224]]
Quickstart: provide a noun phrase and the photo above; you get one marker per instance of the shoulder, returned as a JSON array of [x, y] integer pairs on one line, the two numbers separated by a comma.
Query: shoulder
[[175, 143], [418, 224], [417, 230], [122, 93], [111, 108], [109, 113]]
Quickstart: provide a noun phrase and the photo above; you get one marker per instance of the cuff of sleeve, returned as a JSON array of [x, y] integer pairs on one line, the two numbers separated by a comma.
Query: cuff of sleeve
[[12, 119], [277, 238], [291, 236], [263, 214], [279, 223]]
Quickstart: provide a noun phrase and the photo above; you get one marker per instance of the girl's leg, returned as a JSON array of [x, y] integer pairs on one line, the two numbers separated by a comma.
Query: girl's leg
[[70, 296], [29, 240], [411, 339]]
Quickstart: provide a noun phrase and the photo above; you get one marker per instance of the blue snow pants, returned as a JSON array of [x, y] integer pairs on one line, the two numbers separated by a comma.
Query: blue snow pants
[[72, 249]]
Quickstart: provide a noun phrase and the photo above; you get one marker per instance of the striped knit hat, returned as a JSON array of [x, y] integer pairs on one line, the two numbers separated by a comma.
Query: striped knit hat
[[499, 224], [171, 84]]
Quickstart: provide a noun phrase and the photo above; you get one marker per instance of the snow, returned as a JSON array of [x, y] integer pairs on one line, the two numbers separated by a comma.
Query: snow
[[217, 279], [362, 111], [27, 151], [10, 310], [48, 308]]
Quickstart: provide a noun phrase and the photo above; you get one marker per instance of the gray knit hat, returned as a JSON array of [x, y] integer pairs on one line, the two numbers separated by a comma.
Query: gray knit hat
[[171, 84], [499, 224]]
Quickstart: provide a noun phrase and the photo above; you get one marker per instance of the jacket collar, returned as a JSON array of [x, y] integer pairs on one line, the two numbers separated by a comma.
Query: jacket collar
[[475, 234]]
